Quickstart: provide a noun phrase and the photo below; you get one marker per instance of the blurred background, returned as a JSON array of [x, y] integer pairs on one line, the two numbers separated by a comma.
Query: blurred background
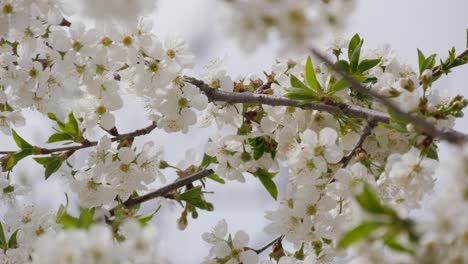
[[430, 25]]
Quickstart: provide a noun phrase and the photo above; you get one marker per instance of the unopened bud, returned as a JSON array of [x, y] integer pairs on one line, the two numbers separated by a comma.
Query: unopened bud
[[361, 154], [410, 128], [407, 84], [426, 78]]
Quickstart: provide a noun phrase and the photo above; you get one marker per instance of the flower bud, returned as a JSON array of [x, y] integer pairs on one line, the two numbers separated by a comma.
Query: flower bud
[[407, 84], [410, 127], [426, 78]]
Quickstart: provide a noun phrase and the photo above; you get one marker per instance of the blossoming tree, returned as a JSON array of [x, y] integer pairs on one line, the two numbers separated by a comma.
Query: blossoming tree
[[355, 130]]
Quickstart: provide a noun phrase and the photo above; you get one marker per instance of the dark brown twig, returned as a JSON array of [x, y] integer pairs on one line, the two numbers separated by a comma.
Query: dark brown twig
[[166, 189], [87, 144]]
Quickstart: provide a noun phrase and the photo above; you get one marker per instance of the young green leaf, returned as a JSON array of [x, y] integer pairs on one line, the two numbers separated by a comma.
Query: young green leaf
[[216, 178], [3, 242], [59, 136], [194, 197], [296, 83], [265, 178], [144, 219], [12, 242], [343, 84], [20, 142], [51, 164], [366, 65], [421, 60], [86, 217], [353, 43], [361, 231], [310, 75], [354, 61], [370, 202]]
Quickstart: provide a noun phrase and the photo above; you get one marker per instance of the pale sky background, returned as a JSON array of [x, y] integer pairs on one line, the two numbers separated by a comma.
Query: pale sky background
[[433, 26]]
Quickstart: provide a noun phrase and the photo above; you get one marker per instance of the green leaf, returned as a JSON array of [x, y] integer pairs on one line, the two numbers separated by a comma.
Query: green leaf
[[51, 164], [14, 158], [216, 178], [265, 178], [343, 65], [296, 83], [310, 75], [393, 244], [207, 160], [12, 242], [343, 84], [361, 231], [20, 142], [353, 43], [193, 197], [421, 60], [354, 61], [86, 217], [59, 136], [366, 65], [144, 219], [3, 242], [304, 96], [258, 145], [370, 202]]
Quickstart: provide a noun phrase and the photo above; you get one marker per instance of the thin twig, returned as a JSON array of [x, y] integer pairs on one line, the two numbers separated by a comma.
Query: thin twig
[[450, 135], [265, 247], [166, 189], [365, 133], [87, 144]]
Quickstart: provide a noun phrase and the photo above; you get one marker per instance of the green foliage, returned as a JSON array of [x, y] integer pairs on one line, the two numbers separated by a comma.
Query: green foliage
[[144, 219], [194, 196], [360, 232], [26, 149], [385, 219], [69, 131], [425, 63], [51, 163], [84, 220], [262, 145], [266, 178]]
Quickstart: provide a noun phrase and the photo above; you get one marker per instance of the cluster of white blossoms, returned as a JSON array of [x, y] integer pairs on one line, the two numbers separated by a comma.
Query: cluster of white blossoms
[[347, 174], [297, 22], [229, 250], [136, 244], [110, 172]]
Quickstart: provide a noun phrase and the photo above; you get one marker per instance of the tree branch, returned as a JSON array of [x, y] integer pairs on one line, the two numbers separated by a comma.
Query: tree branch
[[250, 98], [166, 189], [450, 135], [335, 108], [87, 144]]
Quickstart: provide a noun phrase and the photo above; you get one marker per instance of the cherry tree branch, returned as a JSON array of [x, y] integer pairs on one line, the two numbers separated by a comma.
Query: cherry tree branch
[[87, 144], [251, 98], [450, 135], [334, 108], [166, 189]]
